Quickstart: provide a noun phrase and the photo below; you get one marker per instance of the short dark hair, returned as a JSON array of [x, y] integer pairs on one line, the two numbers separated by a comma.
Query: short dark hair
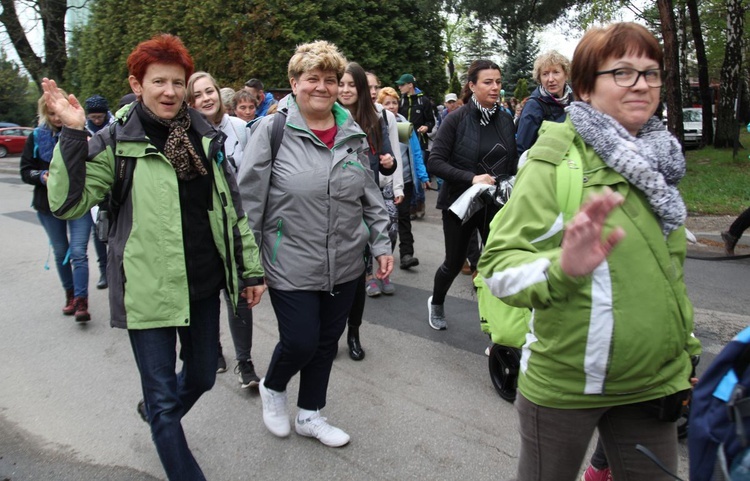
[[612, 41], [254, 83]]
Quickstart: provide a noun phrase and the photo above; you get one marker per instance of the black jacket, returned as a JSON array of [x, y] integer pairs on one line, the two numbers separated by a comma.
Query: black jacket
[[455, 152], [417, 109], [31, 172]]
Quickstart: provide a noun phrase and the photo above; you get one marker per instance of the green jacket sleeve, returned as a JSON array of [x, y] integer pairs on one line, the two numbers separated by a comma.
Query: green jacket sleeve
[[80, 175]]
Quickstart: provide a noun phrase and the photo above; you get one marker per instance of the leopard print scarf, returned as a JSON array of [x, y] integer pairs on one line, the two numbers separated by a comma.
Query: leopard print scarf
[[178, 148]]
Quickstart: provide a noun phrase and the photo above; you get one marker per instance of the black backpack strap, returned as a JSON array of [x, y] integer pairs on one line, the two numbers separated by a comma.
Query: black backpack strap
[[385, 118], [277, 132], [124, 167], [546, 109]]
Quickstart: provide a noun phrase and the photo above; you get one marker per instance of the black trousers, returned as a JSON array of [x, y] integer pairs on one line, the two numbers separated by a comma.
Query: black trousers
[[405, 237], [457, 237], [310, 325]]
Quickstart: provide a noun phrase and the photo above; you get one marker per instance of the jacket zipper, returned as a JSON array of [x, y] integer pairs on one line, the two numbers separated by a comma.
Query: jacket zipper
[[279, 235]]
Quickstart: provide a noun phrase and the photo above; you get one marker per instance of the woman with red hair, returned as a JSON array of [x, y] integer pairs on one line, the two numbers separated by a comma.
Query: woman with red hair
[[178, 238]]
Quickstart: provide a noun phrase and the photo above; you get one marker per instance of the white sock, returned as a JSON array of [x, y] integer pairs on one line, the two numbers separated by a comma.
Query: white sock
[[305, 414]]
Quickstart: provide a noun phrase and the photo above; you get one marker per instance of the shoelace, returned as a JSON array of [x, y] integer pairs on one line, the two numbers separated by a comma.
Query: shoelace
[[278, 403], [319, 426]]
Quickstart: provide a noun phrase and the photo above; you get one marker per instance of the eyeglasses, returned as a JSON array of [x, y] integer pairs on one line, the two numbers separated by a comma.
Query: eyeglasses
[[628, 77]]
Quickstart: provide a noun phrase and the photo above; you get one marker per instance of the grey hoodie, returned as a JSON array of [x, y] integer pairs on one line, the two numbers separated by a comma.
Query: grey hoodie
[[314, 209]]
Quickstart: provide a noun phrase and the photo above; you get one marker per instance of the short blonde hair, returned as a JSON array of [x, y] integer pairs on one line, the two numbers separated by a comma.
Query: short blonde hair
[[387, 92], [317, 55], [550, 59], [43, 112]]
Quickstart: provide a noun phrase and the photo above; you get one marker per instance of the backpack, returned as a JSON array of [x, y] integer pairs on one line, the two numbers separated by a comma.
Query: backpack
[[720, 415], [506, 325]]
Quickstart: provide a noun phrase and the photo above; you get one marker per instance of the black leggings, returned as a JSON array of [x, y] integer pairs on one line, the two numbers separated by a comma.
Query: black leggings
[[457, 237], [740, 225]]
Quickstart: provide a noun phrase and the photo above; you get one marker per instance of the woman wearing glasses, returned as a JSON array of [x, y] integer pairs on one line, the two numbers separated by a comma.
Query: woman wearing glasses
[[610, 339]]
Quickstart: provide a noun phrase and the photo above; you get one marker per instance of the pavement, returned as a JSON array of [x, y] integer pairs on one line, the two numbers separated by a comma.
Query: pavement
[[420, 406]]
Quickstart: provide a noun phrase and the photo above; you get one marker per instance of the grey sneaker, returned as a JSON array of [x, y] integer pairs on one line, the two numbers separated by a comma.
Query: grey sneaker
[[275, 410], [246, 373], [317, 427], [437, 315], [387, 287], [372, 287]]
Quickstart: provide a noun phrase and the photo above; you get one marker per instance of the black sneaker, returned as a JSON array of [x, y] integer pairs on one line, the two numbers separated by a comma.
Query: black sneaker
[[222, 364], [246, 372], [408, 261], [142, 410]]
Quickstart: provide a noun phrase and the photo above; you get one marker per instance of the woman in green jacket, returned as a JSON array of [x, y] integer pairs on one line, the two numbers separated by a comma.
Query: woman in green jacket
[[609, 342], [179, 237]]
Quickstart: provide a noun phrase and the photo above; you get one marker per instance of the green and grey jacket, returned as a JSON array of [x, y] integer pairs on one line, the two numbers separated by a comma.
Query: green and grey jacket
[[148, 285], [620, 335], [313, 209]]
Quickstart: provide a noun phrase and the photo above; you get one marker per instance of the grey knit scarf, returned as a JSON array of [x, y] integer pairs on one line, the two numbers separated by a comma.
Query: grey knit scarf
[[652, 160]]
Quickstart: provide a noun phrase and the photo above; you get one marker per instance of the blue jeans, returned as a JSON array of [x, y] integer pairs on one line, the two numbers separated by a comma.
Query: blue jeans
[[77, 277], [169, 396]]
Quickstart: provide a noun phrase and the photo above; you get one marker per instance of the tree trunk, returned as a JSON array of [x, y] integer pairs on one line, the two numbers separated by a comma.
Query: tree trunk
[[52, 14], [707, 101], [30, 60], [726, 126], [672, 68], [682, 26]]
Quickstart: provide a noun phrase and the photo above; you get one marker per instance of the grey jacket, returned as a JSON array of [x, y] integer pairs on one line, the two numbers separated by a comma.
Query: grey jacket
[[314, 209]]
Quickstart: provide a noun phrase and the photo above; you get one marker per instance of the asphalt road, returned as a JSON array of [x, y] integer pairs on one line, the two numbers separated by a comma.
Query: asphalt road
[[420, 406]]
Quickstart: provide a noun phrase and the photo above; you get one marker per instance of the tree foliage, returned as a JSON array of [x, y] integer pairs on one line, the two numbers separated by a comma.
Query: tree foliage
[[522, 89], [519, 62], [236, 40], [17, 101]]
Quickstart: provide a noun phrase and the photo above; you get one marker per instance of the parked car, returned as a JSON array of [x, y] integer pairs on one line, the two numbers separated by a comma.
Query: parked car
[[692, 125], [13, 139], [8, 124]]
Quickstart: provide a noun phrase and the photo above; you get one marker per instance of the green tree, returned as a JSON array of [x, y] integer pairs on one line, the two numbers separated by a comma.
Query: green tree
[[15, 104], [519, 62], [522, 89], [236, 40]]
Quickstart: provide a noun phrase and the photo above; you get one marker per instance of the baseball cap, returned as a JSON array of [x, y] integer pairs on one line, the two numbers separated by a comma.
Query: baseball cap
[[406, 78], [451, 97]]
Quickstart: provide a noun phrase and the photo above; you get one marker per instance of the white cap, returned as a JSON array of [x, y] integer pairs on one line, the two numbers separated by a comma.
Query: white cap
[[451, 97]]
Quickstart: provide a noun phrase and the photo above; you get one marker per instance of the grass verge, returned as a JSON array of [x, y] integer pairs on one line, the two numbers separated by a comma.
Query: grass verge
[[715, 183]]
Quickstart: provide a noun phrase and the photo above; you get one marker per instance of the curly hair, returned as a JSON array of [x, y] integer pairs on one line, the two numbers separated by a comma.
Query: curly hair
[[550, 59], [317, 55]]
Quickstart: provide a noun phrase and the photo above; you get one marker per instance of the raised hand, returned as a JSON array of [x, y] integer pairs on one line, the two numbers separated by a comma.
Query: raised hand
[[583, 248], [67, 108]]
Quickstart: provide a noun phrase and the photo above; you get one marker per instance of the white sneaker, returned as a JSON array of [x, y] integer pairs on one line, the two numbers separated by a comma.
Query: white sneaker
[[275, 410], [317, 427]]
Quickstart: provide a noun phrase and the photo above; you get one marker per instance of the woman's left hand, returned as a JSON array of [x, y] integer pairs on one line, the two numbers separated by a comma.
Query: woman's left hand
[[253, 294], [398, 199], [386, 160], [386, 266], [582, 247]]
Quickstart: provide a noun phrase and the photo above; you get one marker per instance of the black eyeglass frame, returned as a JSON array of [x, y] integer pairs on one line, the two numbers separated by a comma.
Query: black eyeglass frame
[[637, 78]]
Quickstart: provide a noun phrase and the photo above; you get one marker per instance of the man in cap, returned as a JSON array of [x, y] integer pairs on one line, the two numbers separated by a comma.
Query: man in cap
[[417, 108]]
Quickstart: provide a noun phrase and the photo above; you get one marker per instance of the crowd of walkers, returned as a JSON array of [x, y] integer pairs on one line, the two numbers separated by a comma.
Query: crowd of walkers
[[212, 193]]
